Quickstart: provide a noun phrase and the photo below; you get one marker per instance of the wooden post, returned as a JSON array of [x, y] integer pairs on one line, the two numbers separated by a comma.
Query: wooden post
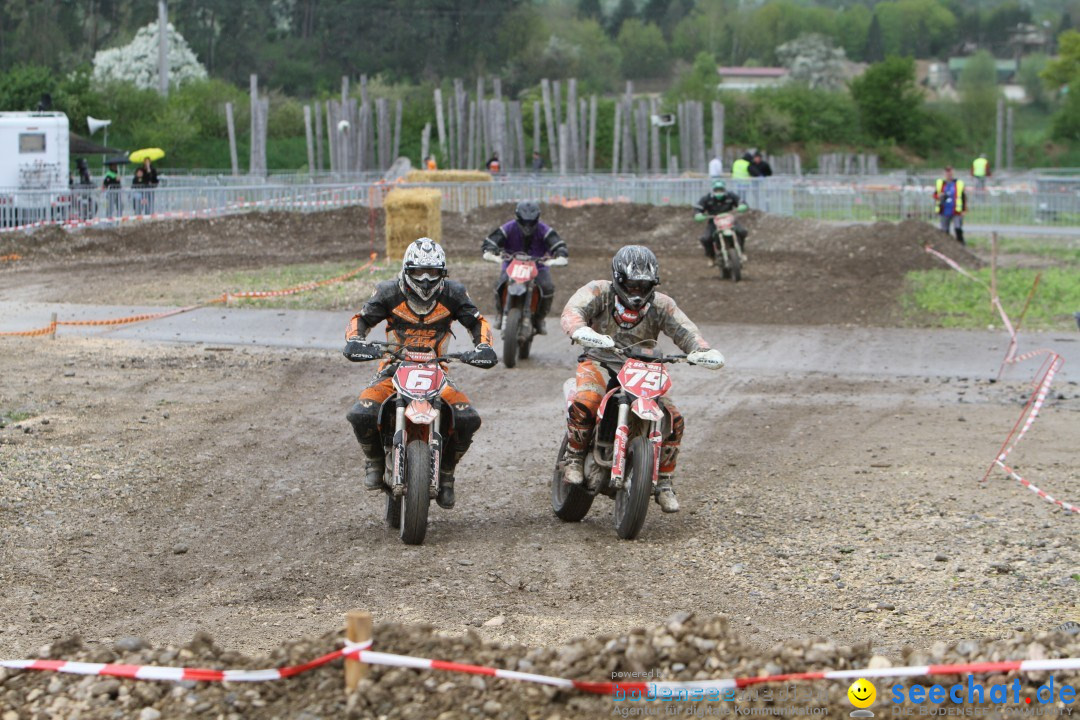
[[556, 104], [993, 268], [330, 139], [163, 48], [519, 127], [481, 117], [470, 155], [592, 134], [563, 149], [231, 124], [461, 108], [572, 123], [357, 630], [52, 326], [999, 136], [440, 126], [382, 108], [308, 135], [618, 136], [318, 137], [451, 130], [553, 144], [1009, 146], [583, 134], [654, 138], [397, 133], [425, 142], [536, 127], [253, 150]]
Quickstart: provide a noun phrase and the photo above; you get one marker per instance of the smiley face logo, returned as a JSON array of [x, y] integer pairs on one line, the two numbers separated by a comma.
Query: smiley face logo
[[862, 693]]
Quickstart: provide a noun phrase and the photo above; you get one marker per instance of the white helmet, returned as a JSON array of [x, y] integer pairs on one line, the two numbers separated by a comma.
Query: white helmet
[[423, 272]]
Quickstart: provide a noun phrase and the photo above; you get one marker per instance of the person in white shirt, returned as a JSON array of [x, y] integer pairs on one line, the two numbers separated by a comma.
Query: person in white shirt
[[716, 168]]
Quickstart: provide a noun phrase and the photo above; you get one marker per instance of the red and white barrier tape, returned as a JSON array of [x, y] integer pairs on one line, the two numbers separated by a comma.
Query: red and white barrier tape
[[1052, 364], [360, 651]]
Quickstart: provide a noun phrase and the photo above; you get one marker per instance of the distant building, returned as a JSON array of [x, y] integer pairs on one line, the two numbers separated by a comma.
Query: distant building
[[751, 78], [1006, 69]]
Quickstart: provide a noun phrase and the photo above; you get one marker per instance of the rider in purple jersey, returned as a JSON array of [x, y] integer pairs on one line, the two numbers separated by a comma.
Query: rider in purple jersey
[[526, 234]]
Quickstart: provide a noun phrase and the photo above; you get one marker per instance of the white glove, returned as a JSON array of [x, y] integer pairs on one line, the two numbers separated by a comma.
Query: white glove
[[492, 257], [590, 338], [558, 261], [711, 359]]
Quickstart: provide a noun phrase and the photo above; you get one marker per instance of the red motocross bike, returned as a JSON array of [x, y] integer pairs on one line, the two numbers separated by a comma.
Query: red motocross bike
[[622, 459], [412, 424], [521, 297]]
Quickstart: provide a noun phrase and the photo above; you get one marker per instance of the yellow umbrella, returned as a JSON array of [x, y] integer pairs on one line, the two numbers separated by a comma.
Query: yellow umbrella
[[151, 154]]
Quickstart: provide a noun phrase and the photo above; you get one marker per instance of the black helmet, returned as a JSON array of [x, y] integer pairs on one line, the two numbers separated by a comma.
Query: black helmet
[[527, 214], [635, 273]]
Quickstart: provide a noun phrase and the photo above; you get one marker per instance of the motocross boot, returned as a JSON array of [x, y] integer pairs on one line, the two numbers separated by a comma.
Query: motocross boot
[[960, 236], [665, 495], [541, 313], [574, 466], [374, 467], [445, 498]]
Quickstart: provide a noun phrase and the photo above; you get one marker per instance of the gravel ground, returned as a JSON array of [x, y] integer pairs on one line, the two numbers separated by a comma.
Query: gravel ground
[[163, 490]]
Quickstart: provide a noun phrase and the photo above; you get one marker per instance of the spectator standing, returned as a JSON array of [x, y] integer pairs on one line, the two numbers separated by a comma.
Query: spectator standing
[[537, 161], [759, 167], [716, 168], [430, 163], [950, 202], [150, 182], [493, 163], [112, 187], [980, 170], [740, 169], [140, 189]]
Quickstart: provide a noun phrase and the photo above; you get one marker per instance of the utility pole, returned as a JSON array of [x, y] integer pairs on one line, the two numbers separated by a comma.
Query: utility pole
[[163, 48]]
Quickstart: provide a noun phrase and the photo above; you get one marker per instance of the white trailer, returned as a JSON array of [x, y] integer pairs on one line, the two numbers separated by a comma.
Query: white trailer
[[34, 162]]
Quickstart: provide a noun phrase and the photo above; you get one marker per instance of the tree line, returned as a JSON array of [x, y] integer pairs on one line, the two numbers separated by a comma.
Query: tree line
[[304, 45]]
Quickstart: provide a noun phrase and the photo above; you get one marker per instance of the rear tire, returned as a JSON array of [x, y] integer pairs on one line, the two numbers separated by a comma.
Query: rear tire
[[571, 503], [632, 501], [511, 326], [416, 500]]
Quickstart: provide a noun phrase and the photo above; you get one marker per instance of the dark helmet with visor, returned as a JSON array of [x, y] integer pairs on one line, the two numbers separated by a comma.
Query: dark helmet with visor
[[527, 214], [635, 273]]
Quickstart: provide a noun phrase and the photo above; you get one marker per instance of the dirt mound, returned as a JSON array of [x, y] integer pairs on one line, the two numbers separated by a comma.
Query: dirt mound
[[800, 271], [684, 648]]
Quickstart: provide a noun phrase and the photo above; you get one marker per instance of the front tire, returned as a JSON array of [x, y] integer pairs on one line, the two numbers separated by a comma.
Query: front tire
[[632, 500], [735, 262], [571, 503], [416, 499], [511, 326]]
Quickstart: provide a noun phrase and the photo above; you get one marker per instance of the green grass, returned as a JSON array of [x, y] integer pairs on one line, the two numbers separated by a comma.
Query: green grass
[[945, 298], [14, 416], [337, 296], [1066, 250]]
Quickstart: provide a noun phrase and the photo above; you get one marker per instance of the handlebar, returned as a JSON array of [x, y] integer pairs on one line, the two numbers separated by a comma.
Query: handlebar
[[628, 353], [397, 351], [506, 257]]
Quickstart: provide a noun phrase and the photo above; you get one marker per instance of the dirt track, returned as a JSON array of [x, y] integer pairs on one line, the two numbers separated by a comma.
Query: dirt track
[[157, 490]]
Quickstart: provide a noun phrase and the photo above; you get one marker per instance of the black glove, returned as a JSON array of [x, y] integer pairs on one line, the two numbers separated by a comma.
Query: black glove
[[359, 351], [482, 357]]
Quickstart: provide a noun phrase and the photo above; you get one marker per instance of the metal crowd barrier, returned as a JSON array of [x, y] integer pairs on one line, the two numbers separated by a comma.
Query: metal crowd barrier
[[1045, 202]]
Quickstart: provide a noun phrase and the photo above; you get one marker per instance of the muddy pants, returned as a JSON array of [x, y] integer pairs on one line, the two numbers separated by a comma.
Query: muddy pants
[[591, 387], [458, 426]]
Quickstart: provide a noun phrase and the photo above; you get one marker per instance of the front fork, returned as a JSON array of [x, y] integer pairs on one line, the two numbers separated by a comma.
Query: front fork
[[435, 443], [622, 439]]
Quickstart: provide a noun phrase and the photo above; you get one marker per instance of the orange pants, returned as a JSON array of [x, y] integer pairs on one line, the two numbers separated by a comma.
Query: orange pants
[[591, 388], [364, 418]]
